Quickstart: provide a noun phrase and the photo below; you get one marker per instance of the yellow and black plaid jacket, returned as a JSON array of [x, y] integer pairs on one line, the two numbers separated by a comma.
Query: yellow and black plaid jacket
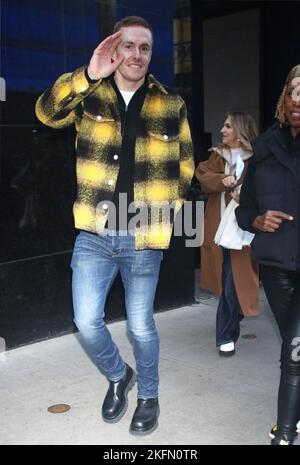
[[164, 162]]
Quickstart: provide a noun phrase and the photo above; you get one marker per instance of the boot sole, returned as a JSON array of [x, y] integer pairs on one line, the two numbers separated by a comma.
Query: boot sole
[[272, 436], [147, 431], [124, 409], [222, 353]]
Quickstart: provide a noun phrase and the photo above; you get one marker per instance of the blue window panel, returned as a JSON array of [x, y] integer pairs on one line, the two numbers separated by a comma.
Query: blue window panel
[[35, 70], [40, 43], [48, 22], [42, 39], [23, 21]]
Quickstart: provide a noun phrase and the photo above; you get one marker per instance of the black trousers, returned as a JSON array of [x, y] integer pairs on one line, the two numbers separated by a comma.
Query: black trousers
[[228, 313], [282, 288]]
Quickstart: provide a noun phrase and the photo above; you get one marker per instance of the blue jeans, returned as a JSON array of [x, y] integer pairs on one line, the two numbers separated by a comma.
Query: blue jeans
[[96, 261], [228, 312]]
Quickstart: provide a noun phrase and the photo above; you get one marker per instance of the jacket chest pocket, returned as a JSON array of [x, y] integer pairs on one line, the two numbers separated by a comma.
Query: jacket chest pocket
[[163, 146], [97, 116], [100, 129]]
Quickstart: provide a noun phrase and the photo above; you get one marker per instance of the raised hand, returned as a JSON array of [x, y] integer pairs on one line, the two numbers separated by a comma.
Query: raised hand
[[270, 221], [101, 64]]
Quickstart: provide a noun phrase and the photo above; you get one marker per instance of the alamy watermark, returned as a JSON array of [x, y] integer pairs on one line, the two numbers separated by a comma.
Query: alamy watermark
[[153, 217], [296, 351], [296, 91], [2, 350], [2, 89]]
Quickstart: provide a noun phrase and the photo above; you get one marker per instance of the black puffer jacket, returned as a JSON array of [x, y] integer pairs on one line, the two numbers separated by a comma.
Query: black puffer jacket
[[273, 183]]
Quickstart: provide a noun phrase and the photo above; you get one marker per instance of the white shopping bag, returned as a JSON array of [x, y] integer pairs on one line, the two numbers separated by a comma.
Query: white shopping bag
[[229, 235]]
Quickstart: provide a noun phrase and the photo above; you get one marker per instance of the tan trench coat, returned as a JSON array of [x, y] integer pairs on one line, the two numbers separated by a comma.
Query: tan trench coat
[[245, 272]]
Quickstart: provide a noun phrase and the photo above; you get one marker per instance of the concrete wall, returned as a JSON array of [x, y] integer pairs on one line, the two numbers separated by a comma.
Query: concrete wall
[[231, 68]]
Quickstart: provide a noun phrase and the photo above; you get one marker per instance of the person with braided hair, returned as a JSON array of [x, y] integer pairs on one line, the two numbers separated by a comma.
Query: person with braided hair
[[270, 208]]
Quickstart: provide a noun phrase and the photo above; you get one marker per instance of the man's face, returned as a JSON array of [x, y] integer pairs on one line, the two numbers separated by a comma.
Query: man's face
[[292, 106], [136, 47]]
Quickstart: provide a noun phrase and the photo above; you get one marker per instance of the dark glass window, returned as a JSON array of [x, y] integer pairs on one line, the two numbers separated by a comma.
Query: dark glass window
[[41, 40]]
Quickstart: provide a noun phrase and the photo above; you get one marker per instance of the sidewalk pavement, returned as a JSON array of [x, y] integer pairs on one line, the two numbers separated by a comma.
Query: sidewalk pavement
[[204, 398]]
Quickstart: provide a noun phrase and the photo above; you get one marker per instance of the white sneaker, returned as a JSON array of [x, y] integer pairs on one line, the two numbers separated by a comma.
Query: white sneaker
[[298, 427], [227, 349]]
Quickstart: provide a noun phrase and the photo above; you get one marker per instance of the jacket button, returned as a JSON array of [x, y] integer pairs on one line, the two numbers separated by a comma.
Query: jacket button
[[165, 137], [116, 157], [105, 206], [99, 117]]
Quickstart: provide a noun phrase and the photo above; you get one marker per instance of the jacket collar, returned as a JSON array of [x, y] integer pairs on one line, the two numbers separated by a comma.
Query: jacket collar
[[153, 82], [225, 153], [273, 139]]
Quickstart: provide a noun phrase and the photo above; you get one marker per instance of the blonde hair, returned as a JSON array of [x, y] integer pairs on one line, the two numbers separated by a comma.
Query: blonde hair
[[245, 128], [280, 111]]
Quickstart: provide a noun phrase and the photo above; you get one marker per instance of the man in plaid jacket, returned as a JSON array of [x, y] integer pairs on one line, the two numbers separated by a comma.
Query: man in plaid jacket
[[134, 150]]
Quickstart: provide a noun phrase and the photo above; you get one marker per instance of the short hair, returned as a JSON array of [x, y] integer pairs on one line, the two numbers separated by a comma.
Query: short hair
[[132, 21]]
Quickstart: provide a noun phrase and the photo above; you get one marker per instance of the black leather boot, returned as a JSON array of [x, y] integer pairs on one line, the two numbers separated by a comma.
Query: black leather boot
[[283, 439], [274, 433], [144, 420], [115, 402]]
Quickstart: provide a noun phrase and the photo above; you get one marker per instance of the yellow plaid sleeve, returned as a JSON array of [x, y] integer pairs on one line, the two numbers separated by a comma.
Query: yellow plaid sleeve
[[187, 165], [56, 107]]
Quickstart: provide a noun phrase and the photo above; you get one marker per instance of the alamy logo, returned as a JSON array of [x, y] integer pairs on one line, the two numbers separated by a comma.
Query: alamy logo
[[2, 89], [296, 91], [152, 217], [2, 350], [296, 351]]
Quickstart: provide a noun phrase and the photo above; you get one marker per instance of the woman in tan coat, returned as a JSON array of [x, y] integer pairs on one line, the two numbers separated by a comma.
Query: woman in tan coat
[[230, 274]]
